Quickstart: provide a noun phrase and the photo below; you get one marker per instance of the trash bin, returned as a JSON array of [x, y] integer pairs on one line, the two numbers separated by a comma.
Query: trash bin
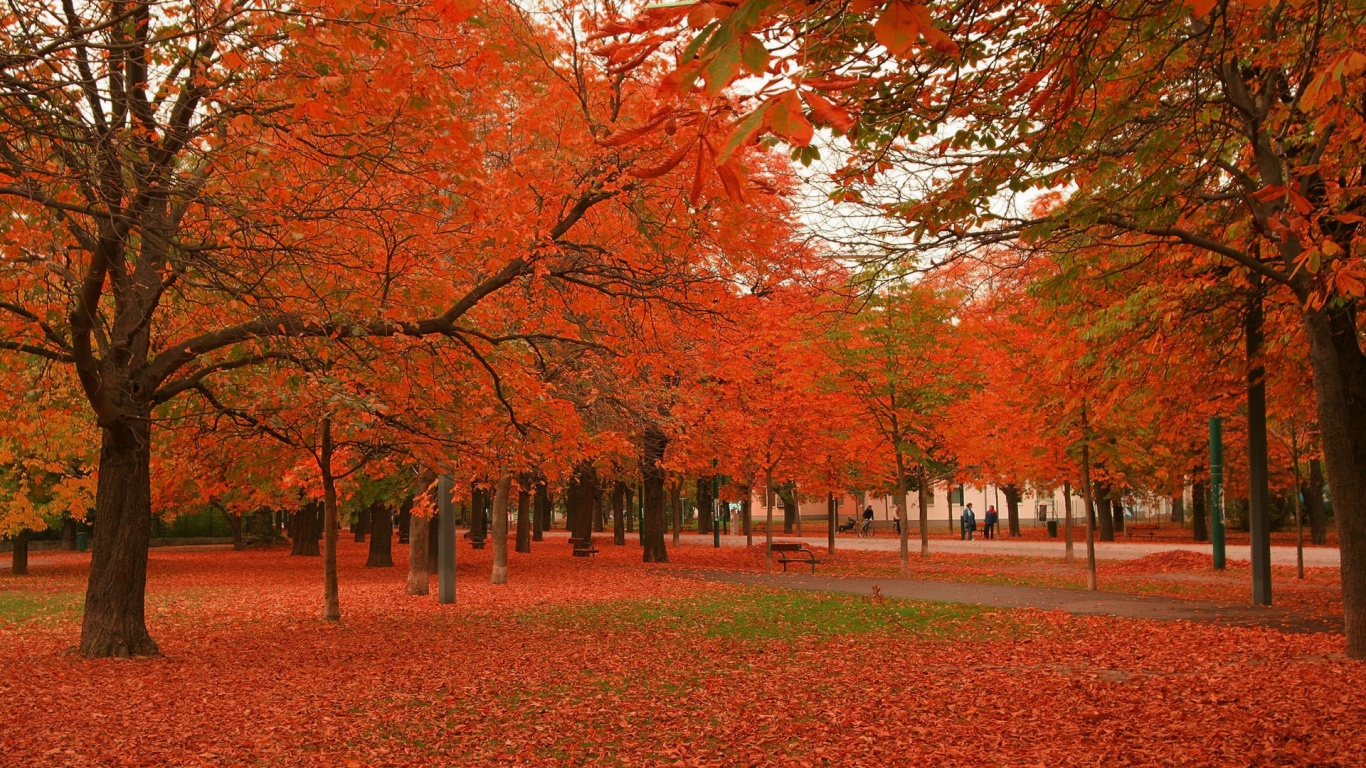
[[1052, 529], [82, 541]]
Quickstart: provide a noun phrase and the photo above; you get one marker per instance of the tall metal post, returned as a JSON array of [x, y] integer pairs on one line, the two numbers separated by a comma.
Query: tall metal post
[[445, 552], [1216, 489]]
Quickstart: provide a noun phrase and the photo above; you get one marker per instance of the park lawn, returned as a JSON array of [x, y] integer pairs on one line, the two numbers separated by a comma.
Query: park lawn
[[611, 662]]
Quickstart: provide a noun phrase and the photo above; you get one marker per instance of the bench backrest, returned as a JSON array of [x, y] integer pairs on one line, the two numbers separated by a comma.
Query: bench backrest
[[786, 547]]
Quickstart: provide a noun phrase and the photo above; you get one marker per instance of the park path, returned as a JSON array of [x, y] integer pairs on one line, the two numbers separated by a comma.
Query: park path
[[1046, 598], [1314, 557]]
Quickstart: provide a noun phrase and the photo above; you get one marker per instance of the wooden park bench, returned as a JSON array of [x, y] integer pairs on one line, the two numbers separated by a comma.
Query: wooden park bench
[[793, 552], [583, 547], [1142, 529]]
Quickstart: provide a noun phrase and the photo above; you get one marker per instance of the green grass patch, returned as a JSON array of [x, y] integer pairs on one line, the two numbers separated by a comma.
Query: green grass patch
[[39, 608], [768, 614]]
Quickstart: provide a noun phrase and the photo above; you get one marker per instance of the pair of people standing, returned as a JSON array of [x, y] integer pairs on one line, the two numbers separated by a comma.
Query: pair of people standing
[[968, 523]]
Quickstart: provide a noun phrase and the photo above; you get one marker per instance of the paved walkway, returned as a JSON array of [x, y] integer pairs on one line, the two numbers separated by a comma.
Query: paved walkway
[[1117, 550], [1070, 600]]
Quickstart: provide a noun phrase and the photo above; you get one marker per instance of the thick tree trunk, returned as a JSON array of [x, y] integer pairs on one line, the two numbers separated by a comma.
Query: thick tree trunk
[[1117, 509], [419, 577], [69, 534], [1199, 516], [653, 506], [305, 537], [1105, 514], [19, 559], [234, 524], [524, 516], [381, 537], [1179, 509], [1340, 385], [619, 514], [362, 525], [478, 503], [1012, 493], [541, 503], [704, 505], [500, 529], [114, 623], [433, 542], [580, 499], [1313, 496]]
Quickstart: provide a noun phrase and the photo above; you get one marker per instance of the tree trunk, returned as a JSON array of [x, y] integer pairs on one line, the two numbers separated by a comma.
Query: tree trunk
[[331, 526], [541, 505], [1199, 516], [1012, 493], [433, 542], [923, 501], [768, 521], [234, 524], [18, 564], [305, 543], [1117, 509], [1340, 385], [619, 513], [419, 578], [704, 505], [114, 623], [789, 508], [381, 537], [902, 515], [676, 509], [1068, 555], [478, 502], [1105, 514], [747, 510], [580, 499], [363, 525], [1313, 496], [69, 534], [831, 522], [500, 529], [652, 508], [524, 515], [631, 502], [1179, 509], [404, 521], [599, 506]]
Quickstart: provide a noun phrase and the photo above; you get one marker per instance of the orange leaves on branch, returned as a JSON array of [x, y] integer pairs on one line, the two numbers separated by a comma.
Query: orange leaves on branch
[[785, 118], [902, 23], [834, 116], [1201, 8], [455, 10]]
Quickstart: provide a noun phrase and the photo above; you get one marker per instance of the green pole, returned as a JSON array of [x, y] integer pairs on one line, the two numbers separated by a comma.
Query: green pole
[[1216, 489]]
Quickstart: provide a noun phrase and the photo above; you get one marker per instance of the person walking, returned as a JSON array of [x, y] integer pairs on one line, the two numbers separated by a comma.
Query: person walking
[[992, 518], [967, 523]]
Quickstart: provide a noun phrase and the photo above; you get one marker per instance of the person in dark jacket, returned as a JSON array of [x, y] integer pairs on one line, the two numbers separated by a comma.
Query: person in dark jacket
[[967, 523], [989, 527]]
